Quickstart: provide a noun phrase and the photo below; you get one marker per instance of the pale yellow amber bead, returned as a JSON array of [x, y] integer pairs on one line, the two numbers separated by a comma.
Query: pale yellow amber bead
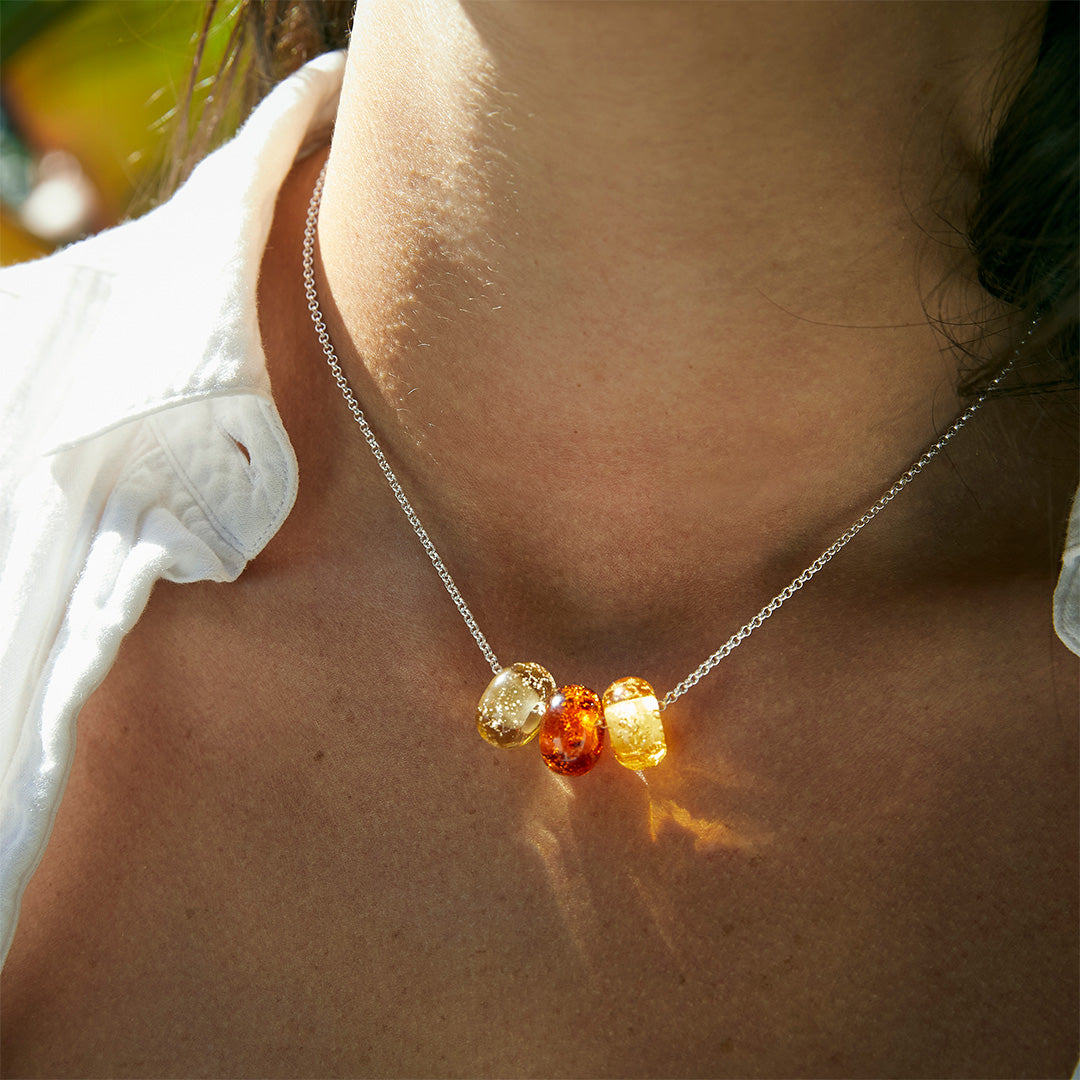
[[632, 716], [512, 706]]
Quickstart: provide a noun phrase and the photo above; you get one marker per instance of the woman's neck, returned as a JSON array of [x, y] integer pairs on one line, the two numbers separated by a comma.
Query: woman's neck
[[634, 292]]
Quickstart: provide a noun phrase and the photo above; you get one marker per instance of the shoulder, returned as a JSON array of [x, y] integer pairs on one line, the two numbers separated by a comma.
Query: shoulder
[[139, 440]]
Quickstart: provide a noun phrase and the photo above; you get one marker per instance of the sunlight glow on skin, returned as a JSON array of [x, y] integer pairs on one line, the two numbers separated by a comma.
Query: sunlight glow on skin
[[562, 862], [550, 830], [709, 833]]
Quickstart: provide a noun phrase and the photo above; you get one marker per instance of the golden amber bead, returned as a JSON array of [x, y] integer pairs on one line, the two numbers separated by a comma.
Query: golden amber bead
[[572, 731], [632, 717], [513, 704]]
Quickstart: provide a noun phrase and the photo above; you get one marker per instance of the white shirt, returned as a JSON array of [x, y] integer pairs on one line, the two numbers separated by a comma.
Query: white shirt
[[132, 369], [133, 373]]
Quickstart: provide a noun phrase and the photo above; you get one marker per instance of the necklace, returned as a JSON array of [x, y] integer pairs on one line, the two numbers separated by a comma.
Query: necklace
[[523, 700]]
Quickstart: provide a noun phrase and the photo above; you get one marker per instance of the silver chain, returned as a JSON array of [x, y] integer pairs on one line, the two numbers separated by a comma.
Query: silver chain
[[744, 631], [376, 449]]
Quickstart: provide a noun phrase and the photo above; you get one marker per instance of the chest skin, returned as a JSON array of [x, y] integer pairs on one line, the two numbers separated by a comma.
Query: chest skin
[[285, 851]]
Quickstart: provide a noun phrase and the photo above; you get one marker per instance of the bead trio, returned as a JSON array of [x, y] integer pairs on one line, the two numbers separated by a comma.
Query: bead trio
[[522, 701]]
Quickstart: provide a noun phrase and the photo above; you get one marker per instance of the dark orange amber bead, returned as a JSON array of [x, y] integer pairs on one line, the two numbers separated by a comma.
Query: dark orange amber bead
[[572, 731]]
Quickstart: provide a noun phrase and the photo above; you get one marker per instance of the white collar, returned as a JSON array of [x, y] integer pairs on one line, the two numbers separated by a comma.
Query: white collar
[[178, 322]]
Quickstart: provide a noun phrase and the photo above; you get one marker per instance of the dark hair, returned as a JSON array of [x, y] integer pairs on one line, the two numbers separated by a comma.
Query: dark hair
[[1023, 231], [268, 41]]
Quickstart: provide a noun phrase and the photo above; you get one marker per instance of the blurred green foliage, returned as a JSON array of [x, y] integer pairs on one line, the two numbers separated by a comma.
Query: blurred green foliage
[[22, 20], [101, 80]]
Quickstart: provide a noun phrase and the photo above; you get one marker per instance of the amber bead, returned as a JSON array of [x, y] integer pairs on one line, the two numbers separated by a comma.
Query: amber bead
[[632, 717], [512, 706], [572, 731]]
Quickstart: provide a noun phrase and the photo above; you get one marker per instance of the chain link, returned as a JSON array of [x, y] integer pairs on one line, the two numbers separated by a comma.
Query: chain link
[[369, 435], [744, 631], [790, 590]]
